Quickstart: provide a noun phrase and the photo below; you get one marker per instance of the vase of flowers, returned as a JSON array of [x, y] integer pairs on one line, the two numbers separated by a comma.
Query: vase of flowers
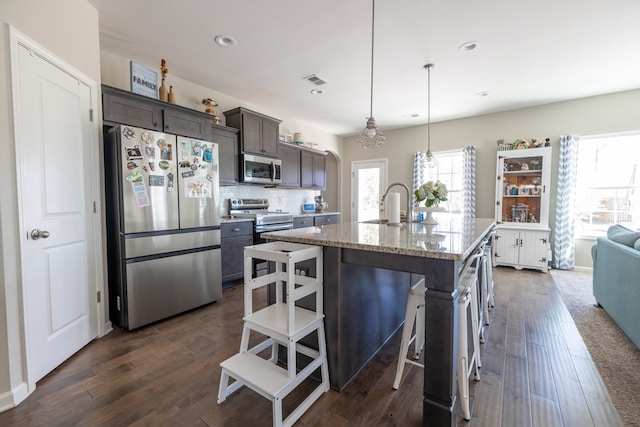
[[431, 193]]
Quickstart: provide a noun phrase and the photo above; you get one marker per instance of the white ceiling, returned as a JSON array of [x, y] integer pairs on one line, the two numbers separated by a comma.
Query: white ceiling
[[529, 53]]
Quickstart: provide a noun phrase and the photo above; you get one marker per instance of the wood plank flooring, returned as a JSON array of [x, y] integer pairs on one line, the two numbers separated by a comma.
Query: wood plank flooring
[[536, 371]]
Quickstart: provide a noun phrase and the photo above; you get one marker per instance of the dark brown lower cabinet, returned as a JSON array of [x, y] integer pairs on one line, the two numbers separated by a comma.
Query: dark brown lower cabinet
[[234, 237]]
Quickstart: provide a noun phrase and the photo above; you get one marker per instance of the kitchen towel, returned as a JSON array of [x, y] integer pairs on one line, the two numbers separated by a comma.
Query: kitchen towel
[[394, 208]]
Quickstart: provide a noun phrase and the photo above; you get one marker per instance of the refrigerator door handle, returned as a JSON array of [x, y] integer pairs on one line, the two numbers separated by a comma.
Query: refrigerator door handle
[[273, 171]]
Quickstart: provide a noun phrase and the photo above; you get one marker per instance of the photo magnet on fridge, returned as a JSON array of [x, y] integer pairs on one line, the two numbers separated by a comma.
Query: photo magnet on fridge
[[156, 180], [133, 153]]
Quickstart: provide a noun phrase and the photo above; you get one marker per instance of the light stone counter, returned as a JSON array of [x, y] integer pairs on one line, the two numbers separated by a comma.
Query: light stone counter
[[453, 238], [368, 269]]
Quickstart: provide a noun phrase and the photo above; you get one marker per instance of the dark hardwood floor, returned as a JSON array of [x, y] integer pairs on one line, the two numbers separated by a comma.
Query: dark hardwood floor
[[535, 371]]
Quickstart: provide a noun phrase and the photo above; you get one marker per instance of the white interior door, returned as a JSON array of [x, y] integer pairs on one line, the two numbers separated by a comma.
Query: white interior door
[[53, 147], [368, 182]]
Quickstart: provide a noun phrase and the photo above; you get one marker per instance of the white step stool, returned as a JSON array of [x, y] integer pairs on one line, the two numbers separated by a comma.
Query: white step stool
[[283, 323]]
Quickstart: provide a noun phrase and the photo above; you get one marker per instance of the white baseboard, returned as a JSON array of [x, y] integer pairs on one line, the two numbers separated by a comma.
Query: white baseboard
[[12, 398]]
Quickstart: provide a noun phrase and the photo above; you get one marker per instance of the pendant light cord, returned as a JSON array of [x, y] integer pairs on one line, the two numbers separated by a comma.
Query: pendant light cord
[[429, 108], [373, 20]]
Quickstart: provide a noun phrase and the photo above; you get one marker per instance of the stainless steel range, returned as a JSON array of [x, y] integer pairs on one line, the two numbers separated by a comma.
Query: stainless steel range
[[263, 219]]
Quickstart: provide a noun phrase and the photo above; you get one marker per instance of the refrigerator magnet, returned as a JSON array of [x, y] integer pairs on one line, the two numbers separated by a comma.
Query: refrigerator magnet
[[196, 148], [194, 167], [184, 164], [128, 133], [152, 166], [186, 145], [187, 174], [170, 181], [156, 180], [209, 178], [132, 165], [208, 155], [134, 177], [164, 165], [147, 137], [144, 168], [133, 153], [150, 152]]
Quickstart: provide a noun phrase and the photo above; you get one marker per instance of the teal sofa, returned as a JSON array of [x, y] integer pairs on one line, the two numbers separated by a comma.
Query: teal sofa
[[616, 278]]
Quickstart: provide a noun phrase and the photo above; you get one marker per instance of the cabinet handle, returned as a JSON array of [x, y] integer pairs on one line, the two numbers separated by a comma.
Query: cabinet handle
[[520, 242], [235, 229]]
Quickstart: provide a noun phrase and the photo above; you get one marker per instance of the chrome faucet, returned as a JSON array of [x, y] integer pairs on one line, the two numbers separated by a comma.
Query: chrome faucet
[[409, 208]]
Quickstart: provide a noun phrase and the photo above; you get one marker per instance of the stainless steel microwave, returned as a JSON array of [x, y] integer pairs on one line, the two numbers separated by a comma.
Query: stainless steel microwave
[[261, 170]]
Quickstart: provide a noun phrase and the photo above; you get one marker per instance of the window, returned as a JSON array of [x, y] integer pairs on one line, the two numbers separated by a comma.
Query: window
[[607, 185], [450, 172]]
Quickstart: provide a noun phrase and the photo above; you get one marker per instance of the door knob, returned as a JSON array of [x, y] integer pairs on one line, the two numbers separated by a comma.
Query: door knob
[[37, 234]]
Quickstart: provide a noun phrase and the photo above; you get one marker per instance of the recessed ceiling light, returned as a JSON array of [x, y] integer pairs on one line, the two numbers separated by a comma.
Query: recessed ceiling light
[[411, 115], [226, 41], [317, 91], [483, 93], [468, 46]]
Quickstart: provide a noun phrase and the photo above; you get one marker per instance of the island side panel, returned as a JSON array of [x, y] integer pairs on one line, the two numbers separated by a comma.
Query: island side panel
[[364, 307], [441, 310]]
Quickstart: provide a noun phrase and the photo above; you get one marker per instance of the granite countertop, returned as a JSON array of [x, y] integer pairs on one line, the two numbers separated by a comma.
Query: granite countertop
[[453, 238]]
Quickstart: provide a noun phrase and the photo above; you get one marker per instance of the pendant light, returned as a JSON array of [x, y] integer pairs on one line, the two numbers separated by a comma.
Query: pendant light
[[371, 136], [430, 162]]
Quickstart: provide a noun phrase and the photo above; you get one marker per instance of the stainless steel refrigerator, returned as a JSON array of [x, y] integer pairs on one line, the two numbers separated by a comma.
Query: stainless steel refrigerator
[[163, 224]]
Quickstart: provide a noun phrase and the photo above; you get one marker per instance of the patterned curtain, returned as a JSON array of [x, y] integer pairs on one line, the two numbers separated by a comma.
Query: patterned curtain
[[469, 181], [418, 171], [563, 247]]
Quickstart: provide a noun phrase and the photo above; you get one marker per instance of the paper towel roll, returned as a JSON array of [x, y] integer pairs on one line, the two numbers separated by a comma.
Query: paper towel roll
[[394, 208]]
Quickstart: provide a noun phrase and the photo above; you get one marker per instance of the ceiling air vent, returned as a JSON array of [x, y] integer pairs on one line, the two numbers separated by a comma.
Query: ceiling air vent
[[315, 79]]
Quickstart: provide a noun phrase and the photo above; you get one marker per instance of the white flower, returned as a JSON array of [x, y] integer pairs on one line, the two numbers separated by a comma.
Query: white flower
[[432, 193]]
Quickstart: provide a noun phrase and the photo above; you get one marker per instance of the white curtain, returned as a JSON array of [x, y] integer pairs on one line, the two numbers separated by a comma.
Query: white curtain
[[563, 247]]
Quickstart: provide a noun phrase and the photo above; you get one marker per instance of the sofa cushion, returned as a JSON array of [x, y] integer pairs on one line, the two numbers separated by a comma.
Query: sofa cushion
[[623, 235], [637, 244]]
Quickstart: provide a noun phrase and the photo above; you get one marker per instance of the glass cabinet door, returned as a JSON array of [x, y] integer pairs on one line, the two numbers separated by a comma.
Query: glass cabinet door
[[523, 181]]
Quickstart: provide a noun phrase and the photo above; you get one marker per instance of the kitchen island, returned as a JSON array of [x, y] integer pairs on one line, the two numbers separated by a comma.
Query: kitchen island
[[368, 269]]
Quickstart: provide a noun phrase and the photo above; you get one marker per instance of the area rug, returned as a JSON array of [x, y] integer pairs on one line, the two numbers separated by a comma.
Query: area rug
[[615, 356]]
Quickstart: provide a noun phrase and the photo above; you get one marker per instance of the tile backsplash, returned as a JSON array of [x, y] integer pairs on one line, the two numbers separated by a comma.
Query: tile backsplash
[[285, 200]]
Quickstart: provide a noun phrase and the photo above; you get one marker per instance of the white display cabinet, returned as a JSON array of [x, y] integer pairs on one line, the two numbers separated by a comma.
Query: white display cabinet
[[522, 208]]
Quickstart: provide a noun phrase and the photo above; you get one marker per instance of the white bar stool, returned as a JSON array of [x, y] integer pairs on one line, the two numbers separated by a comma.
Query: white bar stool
[[283, 323], [488, 299], [468, 357]]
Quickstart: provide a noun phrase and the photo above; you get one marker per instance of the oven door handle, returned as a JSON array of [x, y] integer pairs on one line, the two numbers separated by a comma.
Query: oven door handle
[[273, 227]]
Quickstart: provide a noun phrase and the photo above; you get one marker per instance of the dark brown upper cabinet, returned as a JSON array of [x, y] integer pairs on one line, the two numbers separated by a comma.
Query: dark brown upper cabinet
[[258, 133]]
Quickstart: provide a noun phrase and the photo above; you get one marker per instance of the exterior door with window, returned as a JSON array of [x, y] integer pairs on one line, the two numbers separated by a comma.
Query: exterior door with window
[[368, 183]]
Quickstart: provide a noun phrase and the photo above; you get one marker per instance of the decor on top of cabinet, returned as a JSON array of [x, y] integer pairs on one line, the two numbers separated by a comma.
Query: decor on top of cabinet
[[162, 91], [209, 108], [522, 144], [144, 80], [171, 96]]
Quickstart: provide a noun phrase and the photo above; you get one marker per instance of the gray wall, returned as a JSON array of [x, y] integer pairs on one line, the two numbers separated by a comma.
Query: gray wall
[[588, 116]]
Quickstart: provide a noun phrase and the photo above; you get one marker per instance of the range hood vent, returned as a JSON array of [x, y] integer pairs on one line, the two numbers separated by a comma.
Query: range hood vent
[[315, 79]]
